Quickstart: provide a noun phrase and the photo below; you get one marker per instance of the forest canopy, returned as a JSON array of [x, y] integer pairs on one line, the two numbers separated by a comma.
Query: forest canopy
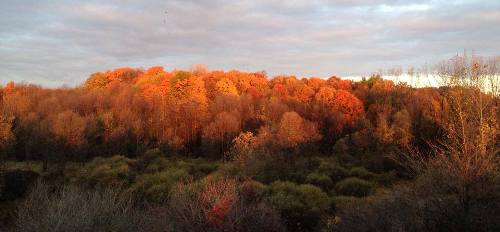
[[199, 112]]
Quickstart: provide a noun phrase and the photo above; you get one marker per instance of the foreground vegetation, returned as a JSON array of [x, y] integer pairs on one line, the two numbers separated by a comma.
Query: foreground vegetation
[[198, 150]]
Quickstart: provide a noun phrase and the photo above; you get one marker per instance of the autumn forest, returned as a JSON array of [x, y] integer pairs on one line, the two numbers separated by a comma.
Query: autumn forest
[[151, 149]]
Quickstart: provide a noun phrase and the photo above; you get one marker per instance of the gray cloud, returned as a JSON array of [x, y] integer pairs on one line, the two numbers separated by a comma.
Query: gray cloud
[[61, 42]]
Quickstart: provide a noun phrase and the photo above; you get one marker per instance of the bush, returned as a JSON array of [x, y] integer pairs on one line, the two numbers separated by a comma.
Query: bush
[[266, 168], [300, 168], [201, 167], [430, 203], [195, 167], [354, 186], [386, 178], [34, 166], [217, 204], [301, 206], [74, 209], [156, 186], [333, 170], [114, 171], [320, 180], [362, 173], [152, 154], [346, 201], [157, 164], [252, 190], [379, 214], [14, 184]]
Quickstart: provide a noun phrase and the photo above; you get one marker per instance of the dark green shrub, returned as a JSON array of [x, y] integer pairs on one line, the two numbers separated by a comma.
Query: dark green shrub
[[300, 168], [156, 186], [230, 169], [320, 180], [251, 190], [157, 165], [202, 167], [113, 171], [333, 170], [152, 154], [362, 173], [386, 178], [301, 206], [354, 186], [266, 168], [198, 168], [345, 201]]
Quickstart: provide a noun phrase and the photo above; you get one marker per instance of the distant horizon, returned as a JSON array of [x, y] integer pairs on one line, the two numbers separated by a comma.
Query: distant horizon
[[56, 84], [418, 80]]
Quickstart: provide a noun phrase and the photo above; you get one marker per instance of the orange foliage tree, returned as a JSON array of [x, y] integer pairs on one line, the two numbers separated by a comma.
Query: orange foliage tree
[[293, 131], [224, 127]]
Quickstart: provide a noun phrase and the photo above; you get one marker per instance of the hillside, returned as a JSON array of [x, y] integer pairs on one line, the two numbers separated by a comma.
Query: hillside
[[200, 150]]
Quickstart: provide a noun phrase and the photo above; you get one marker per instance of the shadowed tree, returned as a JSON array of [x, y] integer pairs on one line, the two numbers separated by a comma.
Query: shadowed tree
[[222, 130], [293, 131], [6, 137], [69, 128]]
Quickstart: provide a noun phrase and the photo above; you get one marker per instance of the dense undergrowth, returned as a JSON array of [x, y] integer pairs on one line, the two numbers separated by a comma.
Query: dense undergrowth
[[157, 192], [303, 199]]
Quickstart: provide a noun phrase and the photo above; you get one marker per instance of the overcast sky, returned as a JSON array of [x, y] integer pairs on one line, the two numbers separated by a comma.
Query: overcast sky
[[56, 43]]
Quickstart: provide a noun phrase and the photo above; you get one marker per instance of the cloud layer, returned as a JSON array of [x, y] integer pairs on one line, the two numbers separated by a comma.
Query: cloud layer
[[55, 43]]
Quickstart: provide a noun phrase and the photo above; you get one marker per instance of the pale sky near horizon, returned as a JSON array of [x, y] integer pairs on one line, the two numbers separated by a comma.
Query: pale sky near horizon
[[54, 43]]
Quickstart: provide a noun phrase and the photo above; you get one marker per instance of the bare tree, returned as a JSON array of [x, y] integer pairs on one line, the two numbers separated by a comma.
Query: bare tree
[[468, 154], [493, 75], [73, 209]]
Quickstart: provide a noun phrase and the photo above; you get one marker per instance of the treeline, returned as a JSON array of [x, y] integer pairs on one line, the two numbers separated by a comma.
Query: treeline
[[199, 112]]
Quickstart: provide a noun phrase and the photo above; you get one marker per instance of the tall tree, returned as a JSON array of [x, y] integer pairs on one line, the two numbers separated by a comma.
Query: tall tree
[[293, 131], [222, 130]]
